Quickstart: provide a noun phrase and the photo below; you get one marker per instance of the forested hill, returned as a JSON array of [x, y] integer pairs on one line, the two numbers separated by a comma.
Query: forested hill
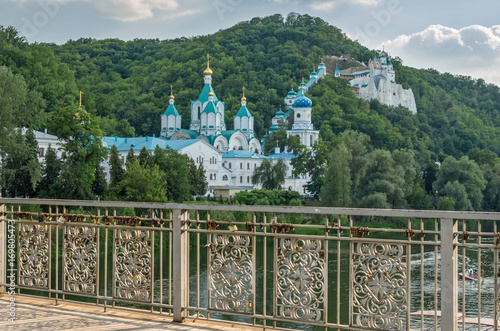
[[128, 83], [131, 80]]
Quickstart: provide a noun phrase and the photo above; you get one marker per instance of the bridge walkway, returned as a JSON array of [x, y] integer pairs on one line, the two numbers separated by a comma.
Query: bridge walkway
[[42, 314]]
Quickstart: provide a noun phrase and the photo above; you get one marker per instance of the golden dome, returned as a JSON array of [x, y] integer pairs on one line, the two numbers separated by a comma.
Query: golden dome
[[210, 94], [208, 71], [171, 93]]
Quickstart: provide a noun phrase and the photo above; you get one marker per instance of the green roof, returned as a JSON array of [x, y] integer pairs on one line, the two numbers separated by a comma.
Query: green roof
[[171, 110], [243, 112], [211, 108], [137, 143], [192, 134], [204, 94]]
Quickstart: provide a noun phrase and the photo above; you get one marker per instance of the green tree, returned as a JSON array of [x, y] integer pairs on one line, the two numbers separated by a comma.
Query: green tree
[[467, 173], [180, 173], [313, 162], [144, 183], [336, 190], [20, 172], [18, 105], [82, 143], [446, 203], [197, 178], [100, 185], [492, 192], [50, 183], [357, 145], [143, 156], [430, 175], [457, 191], [130, 157], [270, 175], [384, 177], [116, 171]]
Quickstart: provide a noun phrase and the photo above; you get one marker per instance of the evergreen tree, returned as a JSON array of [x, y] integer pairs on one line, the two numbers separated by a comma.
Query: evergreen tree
[[100, 186], [50, 184], [20, 167], [130, 157], [116, 172], [143, 156], [430, 175], [197, 178]]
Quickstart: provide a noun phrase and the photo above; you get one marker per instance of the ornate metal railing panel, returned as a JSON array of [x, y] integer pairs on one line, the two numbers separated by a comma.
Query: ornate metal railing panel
[[80, 259], [299, 279], [379, 286], [231, 273], [132, 265], [326, 269], [33, 259]]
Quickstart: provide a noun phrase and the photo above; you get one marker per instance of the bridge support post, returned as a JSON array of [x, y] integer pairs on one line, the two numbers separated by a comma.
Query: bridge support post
[[449, 275], [3, 249], [180, 266]]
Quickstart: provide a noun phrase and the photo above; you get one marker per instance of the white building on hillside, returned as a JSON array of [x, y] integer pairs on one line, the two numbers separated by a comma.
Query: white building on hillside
[[378, 81]]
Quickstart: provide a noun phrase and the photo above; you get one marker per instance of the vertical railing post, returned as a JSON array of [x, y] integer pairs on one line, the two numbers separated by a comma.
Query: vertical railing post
[[449, 275], [180, 272], [3, 250]]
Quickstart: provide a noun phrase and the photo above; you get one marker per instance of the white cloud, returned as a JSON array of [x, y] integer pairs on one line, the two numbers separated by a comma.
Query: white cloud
[[322, 5], [123, 10], [472, 50], [183, 13], [330, 4]]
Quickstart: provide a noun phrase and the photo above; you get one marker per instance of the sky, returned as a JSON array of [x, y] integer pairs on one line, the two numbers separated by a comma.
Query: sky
[[456, 36]]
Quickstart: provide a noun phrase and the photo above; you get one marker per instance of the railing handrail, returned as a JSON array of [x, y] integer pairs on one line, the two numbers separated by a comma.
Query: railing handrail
[[439, 214]]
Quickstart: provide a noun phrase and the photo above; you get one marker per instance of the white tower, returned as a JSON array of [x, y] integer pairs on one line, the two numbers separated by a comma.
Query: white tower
[[171, 119], [302, 124], [243, 120]]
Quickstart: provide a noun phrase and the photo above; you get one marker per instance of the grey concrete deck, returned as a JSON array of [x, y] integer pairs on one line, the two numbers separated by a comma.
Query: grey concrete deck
[[42, 314]]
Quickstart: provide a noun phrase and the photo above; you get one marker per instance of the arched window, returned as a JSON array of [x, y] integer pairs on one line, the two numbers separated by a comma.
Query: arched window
[[210, 176], [311, 140], [229, 165], [248, 179], [241, 179], [224, 177], [215, 176]]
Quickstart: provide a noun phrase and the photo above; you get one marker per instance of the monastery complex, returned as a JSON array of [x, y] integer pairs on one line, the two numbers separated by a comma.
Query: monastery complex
[[229, 157]]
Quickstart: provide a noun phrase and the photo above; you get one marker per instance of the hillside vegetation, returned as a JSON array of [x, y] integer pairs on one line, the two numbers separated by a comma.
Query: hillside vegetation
[[126, 85]]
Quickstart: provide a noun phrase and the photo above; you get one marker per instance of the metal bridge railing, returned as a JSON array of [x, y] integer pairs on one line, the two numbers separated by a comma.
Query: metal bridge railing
[[274, 267]]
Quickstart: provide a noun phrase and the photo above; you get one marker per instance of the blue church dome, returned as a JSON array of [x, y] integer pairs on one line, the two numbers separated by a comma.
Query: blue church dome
[[302, 102]]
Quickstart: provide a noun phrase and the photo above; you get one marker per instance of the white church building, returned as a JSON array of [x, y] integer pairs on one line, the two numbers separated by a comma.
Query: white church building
[[229, 157], [378, 81]]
